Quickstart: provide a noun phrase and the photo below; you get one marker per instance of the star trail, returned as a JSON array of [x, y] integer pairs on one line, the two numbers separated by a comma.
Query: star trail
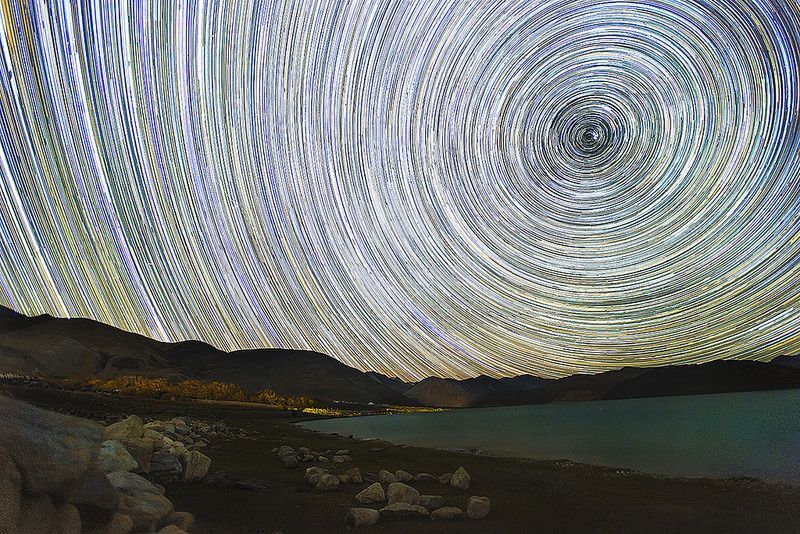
[[418, 188]]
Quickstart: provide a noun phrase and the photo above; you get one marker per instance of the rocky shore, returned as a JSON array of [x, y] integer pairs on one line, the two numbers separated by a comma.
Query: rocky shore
[[249, 490], [66, 475], [389, 496]]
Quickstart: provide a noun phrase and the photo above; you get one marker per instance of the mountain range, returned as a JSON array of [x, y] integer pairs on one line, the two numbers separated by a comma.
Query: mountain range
[[45, 346]]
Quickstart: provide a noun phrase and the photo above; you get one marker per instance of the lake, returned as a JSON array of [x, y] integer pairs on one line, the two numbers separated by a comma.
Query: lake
[[735, 434]]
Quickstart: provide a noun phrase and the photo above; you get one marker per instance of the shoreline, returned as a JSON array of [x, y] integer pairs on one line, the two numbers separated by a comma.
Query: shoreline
[[526, 494]]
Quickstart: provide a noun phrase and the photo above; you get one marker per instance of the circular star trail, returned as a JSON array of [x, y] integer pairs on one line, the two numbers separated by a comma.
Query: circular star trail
[[417, 188]]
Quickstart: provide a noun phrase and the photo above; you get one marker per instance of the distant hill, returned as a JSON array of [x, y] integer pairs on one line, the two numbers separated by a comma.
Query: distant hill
[[80, 348], [722, 376], [450, 393], [788, 361]]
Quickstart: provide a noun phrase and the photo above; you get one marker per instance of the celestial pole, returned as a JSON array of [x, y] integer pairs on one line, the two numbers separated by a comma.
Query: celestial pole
[[415, 187]]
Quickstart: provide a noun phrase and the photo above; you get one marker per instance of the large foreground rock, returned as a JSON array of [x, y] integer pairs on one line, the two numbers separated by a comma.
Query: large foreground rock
[[362, 517], [94, 489], [372, 494], [51, 451], [37, 515]]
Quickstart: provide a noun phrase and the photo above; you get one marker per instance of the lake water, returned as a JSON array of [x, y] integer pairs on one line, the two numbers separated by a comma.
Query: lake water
[[753, 434]]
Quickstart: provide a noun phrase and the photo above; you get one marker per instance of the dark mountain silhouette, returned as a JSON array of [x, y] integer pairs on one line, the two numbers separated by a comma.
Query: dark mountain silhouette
[[721, 376], [788, 361], [450, 393], [81, 348]]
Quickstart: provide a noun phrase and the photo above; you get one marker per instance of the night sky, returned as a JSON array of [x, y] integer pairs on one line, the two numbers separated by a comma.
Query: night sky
[[413, 187]]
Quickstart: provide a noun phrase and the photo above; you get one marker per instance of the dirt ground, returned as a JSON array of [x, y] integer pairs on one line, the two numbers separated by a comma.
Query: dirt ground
[[527, 496]]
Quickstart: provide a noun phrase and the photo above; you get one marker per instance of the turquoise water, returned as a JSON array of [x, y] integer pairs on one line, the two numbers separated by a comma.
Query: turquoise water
[[753, 434]]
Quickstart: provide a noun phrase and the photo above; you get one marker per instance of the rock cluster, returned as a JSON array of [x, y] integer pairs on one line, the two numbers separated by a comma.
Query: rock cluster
[[163, 449], [68, 475], [388, 497], [398, 500], [291, 458]]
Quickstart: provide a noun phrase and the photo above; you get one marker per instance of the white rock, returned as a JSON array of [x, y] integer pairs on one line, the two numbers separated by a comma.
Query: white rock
[[460, 479]]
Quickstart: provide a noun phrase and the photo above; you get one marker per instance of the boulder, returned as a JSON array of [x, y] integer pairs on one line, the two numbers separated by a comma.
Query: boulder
[[431, 502], [400, 510], [323, 459], [290, 461], [425, 477], [10, 493], [113, 456], [182, 520], [343, 479], [285, 450], [130, 483], [37, 515], [51, 451], [478, 507], [327, 482], [448, 513], [165, 465], [339, 459], [68, 519], [130, 427], [385, 477], [145, 508], [313, 474], [445, 478], [302, 451], [155, 437], [372, 494], [403, 476], [399, 492], [355, 475], [157, 426], [141, 449], [460, 479], [195, 465], [343, 452], [362, 517], [94, 489]]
